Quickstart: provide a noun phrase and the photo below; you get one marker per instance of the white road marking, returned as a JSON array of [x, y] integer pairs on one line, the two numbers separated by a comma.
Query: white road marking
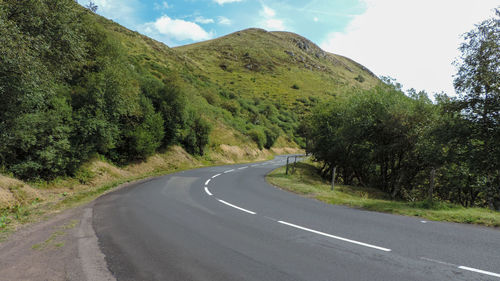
[[228, 171], [255, 165], [208, 191], [206, 183], [480, 271], [463, 267], [243, 168], [214, 176], [336, 237], [438, 261], [423, 221], [236, 207]]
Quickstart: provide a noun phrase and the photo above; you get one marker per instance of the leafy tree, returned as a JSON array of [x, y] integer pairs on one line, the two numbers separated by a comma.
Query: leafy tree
[[196, 135], [372, 137], [92, 6], [478, 84]]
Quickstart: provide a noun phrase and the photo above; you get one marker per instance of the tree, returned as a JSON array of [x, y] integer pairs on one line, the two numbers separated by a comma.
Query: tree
[[478, 84], [92, 6]]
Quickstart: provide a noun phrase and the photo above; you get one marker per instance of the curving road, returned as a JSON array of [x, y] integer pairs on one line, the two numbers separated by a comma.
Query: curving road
[[227, 223]]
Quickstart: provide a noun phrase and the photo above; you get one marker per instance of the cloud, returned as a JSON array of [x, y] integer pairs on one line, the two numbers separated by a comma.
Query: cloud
[[412, 41], [268, 12], [269, 20], [176, 29], [203, 20], [274, 24], [224, 21], [315, 19], [162, 6], [222, 2]]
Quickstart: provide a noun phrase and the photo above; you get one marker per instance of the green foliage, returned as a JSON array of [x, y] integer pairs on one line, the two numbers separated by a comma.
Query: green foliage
[[196, 136], [144, 134], [169, 101], [360, 78], [476, 111], [372, 137], [69, 91], [74, 85], [258, 136]]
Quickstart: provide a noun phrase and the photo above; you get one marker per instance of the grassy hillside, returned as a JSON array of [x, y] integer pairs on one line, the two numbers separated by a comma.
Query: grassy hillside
[[243, 78]]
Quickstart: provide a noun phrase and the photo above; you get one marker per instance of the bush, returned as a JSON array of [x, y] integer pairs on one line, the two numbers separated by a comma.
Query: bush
[[258, 136], [197, 135], [272, 135], [143, 137]]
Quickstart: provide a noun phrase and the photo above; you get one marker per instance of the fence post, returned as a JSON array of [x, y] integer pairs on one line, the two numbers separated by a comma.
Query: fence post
[[287, 165], [333, 178]]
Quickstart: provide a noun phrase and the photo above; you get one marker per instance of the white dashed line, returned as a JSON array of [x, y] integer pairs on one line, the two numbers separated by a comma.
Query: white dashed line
[[208, 181], [479, 271], [208, 191], [214, 176], [228, 171], [463, 267], [336, 237], [243, 168], [423, 221], [255, 165], [236, 207]]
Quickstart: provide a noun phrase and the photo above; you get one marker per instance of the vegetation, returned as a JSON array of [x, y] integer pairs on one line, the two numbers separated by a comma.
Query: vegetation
[[413, 149], [75, 85], [307, 181]]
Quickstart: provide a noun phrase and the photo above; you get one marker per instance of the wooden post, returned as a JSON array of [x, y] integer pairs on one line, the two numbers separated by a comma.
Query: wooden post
[[333, 178], [287, 165]]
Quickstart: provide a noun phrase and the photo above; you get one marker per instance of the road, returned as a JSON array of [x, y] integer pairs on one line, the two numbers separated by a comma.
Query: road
[[227, 223]]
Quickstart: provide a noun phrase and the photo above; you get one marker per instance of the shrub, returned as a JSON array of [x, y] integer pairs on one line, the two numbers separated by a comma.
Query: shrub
[[258, 136]]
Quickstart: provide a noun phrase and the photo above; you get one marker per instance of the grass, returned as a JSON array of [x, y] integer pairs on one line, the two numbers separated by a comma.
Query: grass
[[305, 181]]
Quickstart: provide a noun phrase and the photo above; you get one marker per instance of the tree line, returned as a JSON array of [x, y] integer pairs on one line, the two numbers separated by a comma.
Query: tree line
[[416, 149], [68, 92]]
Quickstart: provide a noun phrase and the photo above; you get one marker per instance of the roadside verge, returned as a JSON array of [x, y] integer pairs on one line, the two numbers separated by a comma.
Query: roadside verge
[[306, 182]]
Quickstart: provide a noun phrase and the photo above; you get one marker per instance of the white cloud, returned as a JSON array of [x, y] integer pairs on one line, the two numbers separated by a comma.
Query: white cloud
[[224, 21], [203, 20], [412, 41], [269, 20], [315, 19], [268, 12], [222, 2], [274, 24], [176, 29]]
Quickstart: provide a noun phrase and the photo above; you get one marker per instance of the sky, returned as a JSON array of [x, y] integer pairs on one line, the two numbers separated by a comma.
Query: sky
[[413, 41]]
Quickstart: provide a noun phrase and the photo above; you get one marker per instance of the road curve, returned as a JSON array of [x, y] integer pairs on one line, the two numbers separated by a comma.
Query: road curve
[[227, 223]]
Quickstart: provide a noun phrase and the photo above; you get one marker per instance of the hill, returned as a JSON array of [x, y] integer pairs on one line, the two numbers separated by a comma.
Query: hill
[[77, 87]]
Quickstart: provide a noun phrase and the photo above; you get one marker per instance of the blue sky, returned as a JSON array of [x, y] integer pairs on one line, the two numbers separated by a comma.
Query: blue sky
[[414, 41], [204, 19]]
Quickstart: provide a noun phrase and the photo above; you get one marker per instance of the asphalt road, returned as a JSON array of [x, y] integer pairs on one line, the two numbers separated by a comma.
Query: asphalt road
[[227, 223]]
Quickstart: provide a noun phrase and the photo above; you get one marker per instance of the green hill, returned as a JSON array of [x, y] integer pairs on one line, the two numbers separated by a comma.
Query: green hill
[[77, 85]]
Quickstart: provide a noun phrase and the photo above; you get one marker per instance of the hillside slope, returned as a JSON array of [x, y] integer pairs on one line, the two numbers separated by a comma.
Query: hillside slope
[[267, 65], [75, 84], [240, 79]]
